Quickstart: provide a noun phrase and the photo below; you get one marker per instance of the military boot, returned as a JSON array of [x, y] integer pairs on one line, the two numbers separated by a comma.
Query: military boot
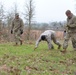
[[16, 44], [59, 46], [21, 42]]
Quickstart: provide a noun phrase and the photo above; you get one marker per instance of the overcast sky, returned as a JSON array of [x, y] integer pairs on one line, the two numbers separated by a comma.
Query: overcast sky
[[45, 10]]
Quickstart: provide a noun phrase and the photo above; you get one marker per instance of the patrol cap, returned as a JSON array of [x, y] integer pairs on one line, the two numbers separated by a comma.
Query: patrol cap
[[68, 11], [16, 14]]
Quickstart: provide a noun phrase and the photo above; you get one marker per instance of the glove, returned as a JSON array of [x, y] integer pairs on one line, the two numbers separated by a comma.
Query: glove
[[21, 31], [64, 31], [11, 31]]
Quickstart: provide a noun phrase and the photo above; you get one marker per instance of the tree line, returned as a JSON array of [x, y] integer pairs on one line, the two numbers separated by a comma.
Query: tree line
[[6, 18]]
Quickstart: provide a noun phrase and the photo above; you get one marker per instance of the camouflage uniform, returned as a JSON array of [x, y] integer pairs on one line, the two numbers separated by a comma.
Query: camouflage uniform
[[17, 29], [48, 36], [71, 32]]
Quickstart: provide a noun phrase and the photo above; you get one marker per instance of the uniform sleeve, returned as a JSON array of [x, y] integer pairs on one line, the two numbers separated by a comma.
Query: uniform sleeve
[[65, 28], [12, 25], [37, 42], [22, 24], [73, 24]]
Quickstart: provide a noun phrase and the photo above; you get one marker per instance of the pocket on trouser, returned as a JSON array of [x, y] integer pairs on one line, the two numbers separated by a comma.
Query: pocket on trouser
[[17, 36], [74, 43], [66, 39], [65, 44]]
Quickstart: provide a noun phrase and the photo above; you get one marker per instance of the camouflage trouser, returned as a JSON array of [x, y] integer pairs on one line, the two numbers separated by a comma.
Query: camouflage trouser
[[53, 37], [17, 36], [73, 39], [49, 41]]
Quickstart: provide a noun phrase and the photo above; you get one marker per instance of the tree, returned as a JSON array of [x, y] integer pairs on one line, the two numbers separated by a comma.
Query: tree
[[10, 17], [2, 15], [15, 8], [44, 26], [29, 15], [2, 18], [11, 14]]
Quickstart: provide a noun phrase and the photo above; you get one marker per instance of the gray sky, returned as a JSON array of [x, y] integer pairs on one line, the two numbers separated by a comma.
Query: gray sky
[[45, 10]]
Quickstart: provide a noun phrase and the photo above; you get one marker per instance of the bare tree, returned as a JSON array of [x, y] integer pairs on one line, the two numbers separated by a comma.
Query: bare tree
[[15, 8], [29, 15], [11, 13], [10, 17], [2, 15]]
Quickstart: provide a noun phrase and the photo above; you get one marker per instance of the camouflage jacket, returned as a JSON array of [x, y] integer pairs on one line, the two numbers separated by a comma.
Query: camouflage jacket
[[71, 24], [17, 24]]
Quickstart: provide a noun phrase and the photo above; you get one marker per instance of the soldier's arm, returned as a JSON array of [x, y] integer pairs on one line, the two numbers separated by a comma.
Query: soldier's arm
[[37, 42], [65, 28], [73, 24], [22, 24], [12, 25]]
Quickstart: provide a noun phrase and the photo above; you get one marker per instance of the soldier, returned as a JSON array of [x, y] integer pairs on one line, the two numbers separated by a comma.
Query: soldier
[[17, 29], [48, 36], [70, 29]]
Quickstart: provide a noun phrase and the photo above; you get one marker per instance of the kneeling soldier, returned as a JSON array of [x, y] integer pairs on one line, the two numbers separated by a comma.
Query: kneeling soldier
[[48, 36]]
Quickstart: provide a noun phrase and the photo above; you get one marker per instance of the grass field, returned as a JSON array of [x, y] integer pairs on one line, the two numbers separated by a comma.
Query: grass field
[[23, 60]]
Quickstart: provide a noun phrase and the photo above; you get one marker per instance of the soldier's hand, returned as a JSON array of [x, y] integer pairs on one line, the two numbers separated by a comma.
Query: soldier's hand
[[21, 31], [11, 31], [64, 31]]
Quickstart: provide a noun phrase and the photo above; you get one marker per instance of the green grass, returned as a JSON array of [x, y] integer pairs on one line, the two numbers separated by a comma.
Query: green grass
[[23, 60]]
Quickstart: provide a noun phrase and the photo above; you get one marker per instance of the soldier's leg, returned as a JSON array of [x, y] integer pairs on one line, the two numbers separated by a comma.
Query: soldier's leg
[[20, 39], [15, 37], [66, 39], [73, 38], [55, 41], [50, 46]]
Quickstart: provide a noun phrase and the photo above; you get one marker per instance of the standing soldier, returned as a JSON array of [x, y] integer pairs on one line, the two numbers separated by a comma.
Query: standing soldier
[[70, 30], [48, 36], [17, 29]]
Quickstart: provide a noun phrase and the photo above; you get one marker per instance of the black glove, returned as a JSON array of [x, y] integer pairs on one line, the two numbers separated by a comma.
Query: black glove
[[21, 31], [11, 31], [64, 31]]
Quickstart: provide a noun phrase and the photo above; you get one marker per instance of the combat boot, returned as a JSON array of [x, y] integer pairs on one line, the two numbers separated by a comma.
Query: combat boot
[[21, 42], [59, 46], [16, 44], [64, 51]]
